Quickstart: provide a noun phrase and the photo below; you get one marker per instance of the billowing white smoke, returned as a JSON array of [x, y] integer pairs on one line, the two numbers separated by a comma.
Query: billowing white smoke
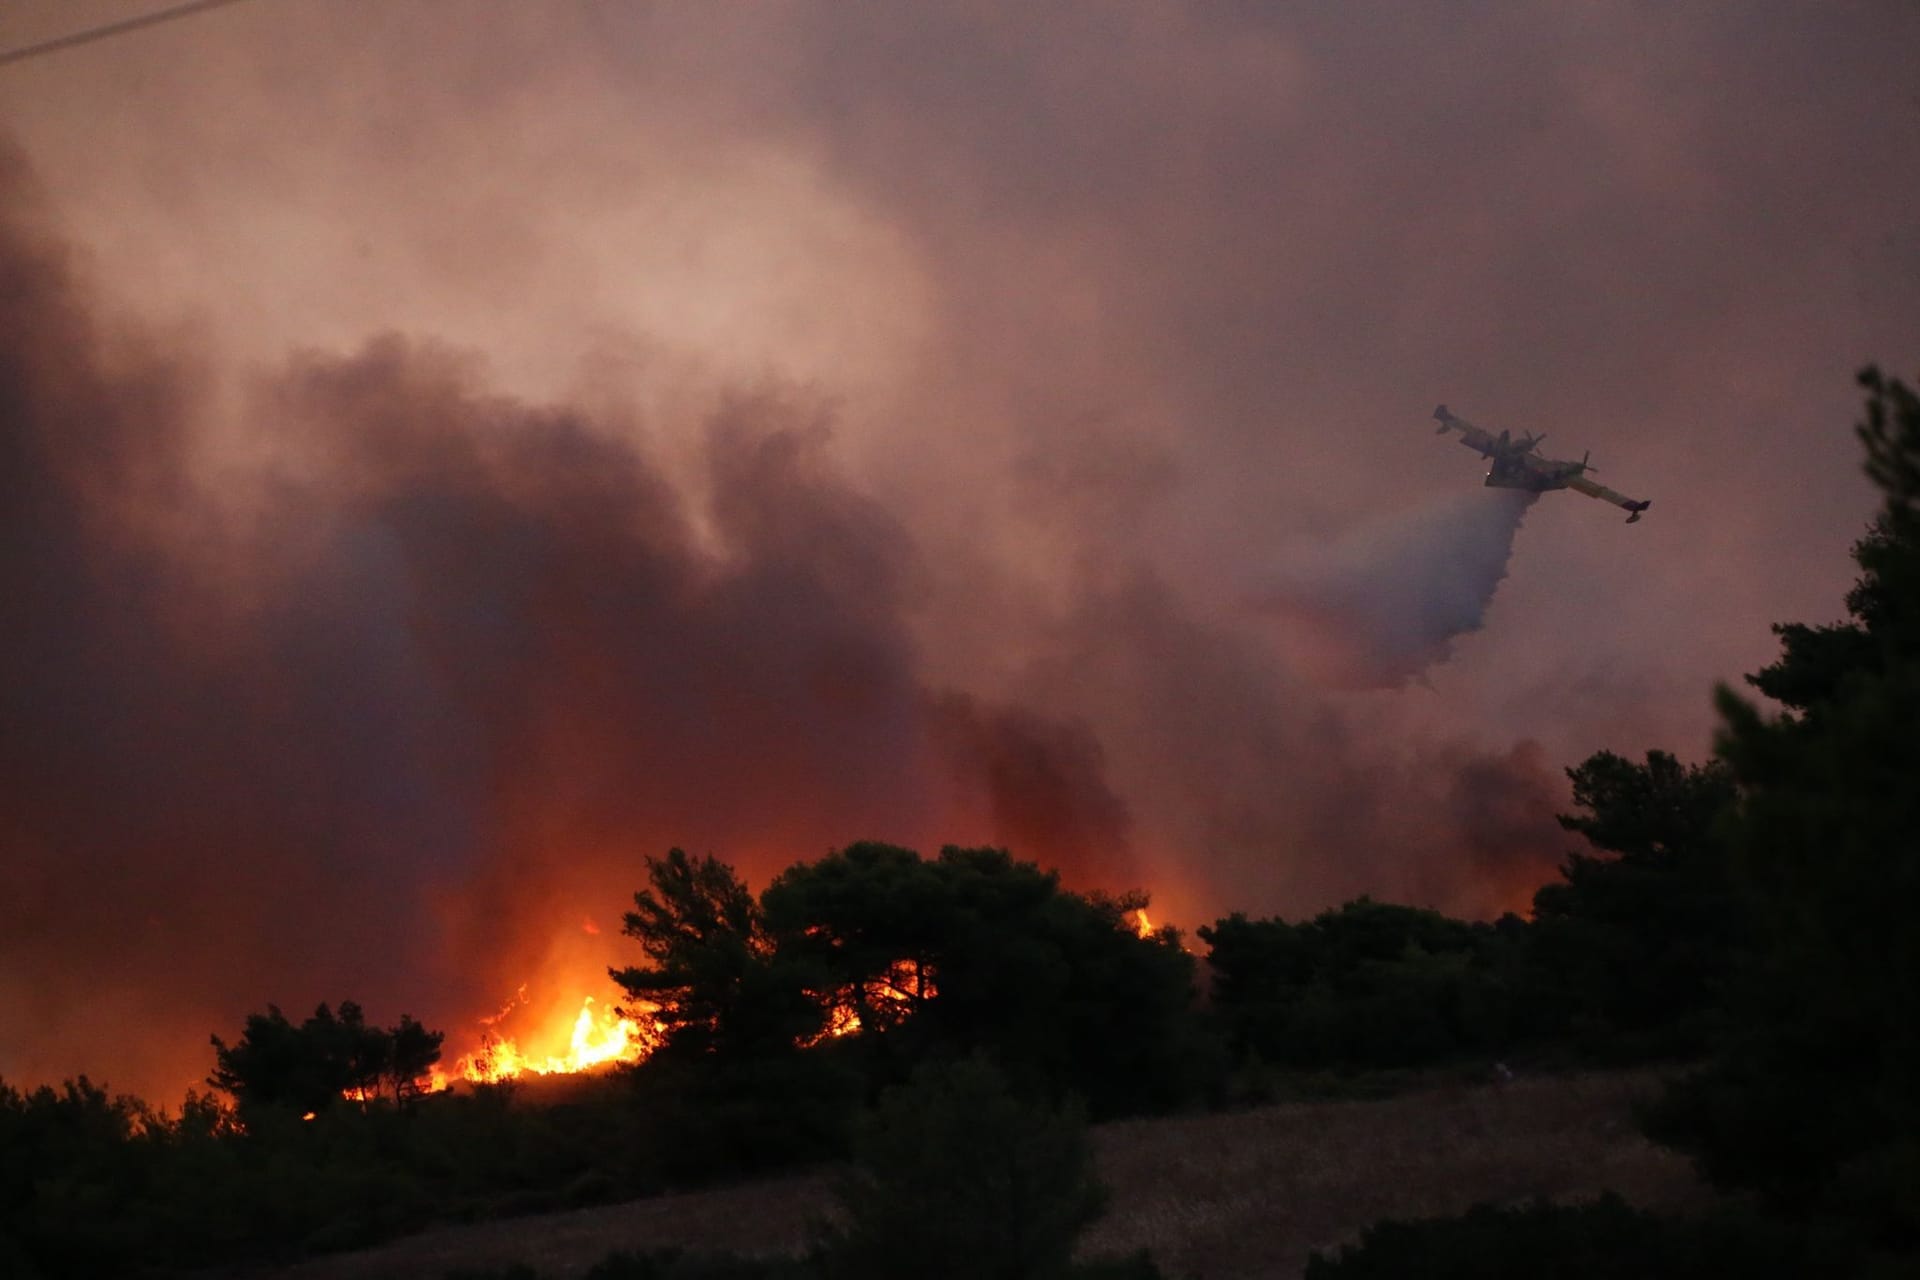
[[1383, 602]]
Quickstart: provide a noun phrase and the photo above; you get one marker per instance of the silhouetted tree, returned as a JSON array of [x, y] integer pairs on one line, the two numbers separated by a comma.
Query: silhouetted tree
[[975, 950], [712, 969], [1658, 811], [276, 1063], [311, 1066], [1633, 949], [1816, 1101], [412, 1051], [875, 920], [905, 959], [71, 1163], [1369, 985], [730, 1089]]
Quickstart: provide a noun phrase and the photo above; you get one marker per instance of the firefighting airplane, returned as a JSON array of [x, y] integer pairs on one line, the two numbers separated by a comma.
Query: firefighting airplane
[[1517, 464]]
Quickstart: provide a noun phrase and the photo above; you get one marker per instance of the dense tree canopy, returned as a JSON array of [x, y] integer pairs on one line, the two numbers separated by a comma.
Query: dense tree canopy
[[311, 1066], [1627, 956], [720, 985], [1633, 947], [1369, 985], [907, 958]]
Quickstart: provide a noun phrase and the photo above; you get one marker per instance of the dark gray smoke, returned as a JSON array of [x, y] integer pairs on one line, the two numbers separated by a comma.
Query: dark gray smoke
[[378, 677], [1046, 787], [403, 721], [1384, 602]]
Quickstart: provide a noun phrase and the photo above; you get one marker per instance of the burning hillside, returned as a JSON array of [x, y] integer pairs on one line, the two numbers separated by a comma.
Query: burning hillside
[[597, 1037], [428, 669]]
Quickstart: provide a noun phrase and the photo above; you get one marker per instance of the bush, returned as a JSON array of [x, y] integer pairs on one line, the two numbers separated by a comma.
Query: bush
[[706, 1121], [1370, 986], [955, 1178]]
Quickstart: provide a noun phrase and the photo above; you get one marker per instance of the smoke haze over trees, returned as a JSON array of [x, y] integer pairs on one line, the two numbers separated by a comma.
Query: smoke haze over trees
[[442, 679], [442, 468]]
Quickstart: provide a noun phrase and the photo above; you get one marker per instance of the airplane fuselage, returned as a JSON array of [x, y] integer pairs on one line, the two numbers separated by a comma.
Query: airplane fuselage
[[1515, 464], [1532, 473]]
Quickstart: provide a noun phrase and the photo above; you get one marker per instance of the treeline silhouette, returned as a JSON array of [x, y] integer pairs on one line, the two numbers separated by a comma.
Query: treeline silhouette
[[1749, 915], [307, 1068], [318, 1140], [1626, 959]]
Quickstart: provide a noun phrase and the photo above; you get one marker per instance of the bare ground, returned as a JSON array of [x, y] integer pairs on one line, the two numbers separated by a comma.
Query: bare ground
[[1214, 1197]]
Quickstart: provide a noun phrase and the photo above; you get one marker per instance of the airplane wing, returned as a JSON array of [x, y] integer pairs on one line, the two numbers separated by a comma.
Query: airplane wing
[[1593, 489], [1481, 442]]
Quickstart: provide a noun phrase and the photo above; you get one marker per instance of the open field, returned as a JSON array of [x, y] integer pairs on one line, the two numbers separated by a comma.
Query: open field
[[1221, 1196]]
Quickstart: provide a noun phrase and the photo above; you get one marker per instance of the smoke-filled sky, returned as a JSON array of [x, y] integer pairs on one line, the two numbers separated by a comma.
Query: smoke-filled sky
[[450, 449]]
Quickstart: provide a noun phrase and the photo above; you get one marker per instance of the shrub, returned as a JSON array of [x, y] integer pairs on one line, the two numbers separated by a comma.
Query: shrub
[[956, 1178]]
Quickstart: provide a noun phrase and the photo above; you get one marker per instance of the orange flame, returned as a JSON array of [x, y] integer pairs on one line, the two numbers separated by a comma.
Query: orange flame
[[594, 1039], [897, 990], [597, 1037]]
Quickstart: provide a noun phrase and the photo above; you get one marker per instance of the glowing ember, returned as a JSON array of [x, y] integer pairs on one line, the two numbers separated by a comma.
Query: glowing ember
[[890, 997], [842, 1020]]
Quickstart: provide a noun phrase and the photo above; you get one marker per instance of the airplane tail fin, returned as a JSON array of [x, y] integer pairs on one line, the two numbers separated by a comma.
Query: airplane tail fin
[[1444, 417], [1637, 508]]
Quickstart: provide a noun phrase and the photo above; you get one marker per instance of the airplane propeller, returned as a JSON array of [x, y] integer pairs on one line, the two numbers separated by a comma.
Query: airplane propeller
[[1507, 446]]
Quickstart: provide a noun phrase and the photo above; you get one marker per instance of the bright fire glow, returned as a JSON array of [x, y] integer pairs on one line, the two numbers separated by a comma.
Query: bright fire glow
[[601, 1035], [598, 1036], [896, 992]]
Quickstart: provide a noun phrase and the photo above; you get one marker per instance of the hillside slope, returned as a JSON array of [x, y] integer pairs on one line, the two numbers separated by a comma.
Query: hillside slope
[[1220, 1196]]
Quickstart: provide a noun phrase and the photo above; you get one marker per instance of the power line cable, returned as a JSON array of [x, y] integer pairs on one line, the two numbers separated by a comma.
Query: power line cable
[[110, 29]]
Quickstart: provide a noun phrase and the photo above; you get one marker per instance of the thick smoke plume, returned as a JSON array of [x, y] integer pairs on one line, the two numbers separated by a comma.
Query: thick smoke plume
[[1384, 602], [1045, 784], [404, 714], [806, 422], [397, 714], [442, 689]]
